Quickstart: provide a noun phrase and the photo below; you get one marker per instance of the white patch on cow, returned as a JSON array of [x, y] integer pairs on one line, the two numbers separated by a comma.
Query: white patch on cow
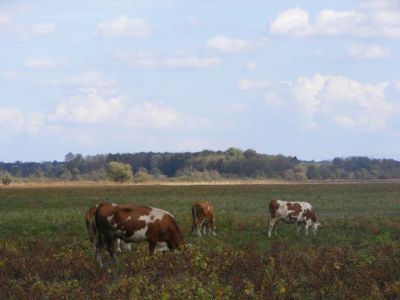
[[114, 204], [208, 207], [128, 218], [109, 218], [139, 235], [158, 213]]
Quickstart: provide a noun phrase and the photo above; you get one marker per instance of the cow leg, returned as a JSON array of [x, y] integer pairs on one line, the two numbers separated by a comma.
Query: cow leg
[[111, 247], [199, 227], [99, 248], [299, 225], [118, 245], [213, 227], [272, 223], [205, 228], [171, 245], [152, 247], [209, 228], [306, 227]]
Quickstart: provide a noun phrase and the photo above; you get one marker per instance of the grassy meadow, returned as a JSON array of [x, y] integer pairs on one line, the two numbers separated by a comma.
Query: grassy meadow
[[45, 252]]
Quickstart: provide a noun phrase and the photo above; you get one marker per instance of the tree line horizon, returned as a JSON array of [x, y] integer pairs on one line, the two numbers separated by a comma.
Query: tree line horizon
[[204, 165]]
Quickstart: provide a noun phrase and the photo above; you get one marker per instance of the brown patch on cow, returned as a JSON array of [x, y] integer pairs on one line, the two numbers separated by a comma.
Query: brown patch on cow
[[121, 215], [294, 208], [273, 207], [310, 214]]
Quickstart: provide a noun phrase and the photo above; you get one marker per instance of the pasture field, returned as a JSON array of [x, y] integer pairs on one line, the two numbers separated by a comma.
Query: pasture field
[[45, 252]]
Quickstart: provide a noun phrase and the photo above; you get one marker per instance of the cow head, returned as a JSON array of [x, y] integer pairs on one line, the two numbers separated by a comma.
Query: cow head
[[316, 225]]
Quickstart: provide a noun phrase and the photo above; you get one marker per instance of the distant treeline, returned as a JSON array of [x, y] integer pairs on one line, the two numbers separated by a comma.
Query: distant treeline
[[232, 163]]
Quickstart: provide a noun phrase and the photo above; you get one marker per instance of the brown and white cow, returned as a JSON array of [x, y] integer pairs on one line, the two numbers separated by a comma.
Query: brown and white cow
[[203, 215], [92, 230], [134, 224], [301, 213]]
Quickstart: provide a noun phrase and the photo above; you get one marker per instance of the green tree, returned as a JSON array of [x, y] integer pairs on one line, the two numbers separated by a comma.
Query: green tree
[[119, 172], [313, 172]]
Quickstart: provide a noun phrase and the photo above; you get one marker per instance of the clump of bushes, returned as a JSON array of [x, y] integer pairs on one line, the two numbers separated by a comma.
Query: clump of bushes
[[6, 180]]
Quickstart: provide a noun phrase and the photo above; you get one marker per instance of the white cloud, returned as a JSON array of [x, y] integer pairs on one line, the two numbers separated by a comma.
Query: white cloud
[[346, 102], [272, 99], [155, 116], [331, 22], [250, 66], [344, 121], [236, 108], [89, 108], [190, 62], [4, 19], [252, 85], [11, 75], [293, 21], [94, 80], [42, 63], [96, 100], [381, 21], [125, 27], [368, 52], [378, 5], [45, 28], [229, 45], [149, 60], [12, 118]]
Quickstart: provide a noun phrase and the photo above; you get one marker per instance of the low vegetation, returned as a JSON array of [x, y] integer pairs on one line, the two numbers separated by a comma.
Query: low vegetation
[[45, 251]]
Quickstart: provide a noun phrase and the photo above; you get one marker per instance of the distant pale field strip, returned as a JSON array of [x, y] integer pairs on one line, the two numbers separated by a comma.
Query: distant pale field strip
[[174, 182]]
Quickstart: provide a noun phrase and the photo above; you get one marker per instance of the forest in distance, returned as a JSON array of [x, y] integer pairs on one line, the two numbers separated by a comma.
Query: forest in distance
[[204, 165]]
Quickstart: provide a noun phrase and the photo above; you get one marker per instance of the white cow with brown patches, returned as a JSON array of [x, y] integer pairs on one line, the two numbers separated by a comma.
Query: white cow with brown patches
[[301, 213], [135, 224]]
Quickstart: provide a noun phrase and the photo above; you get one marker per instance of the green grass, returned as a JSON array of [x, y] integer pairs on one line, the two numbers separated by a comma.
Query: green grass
[[241, 209]]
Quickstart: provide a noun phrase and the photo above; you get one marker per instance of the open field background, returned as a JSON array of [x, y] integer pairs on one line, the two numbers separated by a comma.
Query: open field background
[[45, 252]]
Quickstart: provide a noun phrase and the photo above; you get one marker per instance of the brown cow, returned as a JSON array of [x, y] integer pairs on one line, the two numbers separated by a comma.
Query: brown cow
[[134, 224], [301, 213], [203, 215], [92, 230]]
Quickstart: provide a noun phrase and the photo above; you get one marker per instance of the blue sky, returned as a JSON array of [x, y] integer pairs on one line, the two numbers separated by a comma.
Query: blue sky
[[315, 79]]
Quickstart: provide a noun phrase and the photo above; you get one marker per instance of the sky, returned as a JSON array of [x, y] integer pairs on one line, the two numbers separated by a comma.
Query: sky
[[312, 79]]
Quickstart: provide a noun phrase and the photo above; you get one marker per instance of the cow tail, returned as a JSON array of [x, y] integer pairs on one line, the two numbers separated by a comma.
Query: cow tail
[[273, 207], [194, 216], [98, 234]]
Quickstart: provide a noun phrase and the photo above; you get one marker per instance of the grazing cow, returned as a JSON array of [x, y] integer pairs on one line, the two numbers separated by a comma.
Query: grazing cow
[[292, 212], [203, 215], [92, 231], [134, 224]]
